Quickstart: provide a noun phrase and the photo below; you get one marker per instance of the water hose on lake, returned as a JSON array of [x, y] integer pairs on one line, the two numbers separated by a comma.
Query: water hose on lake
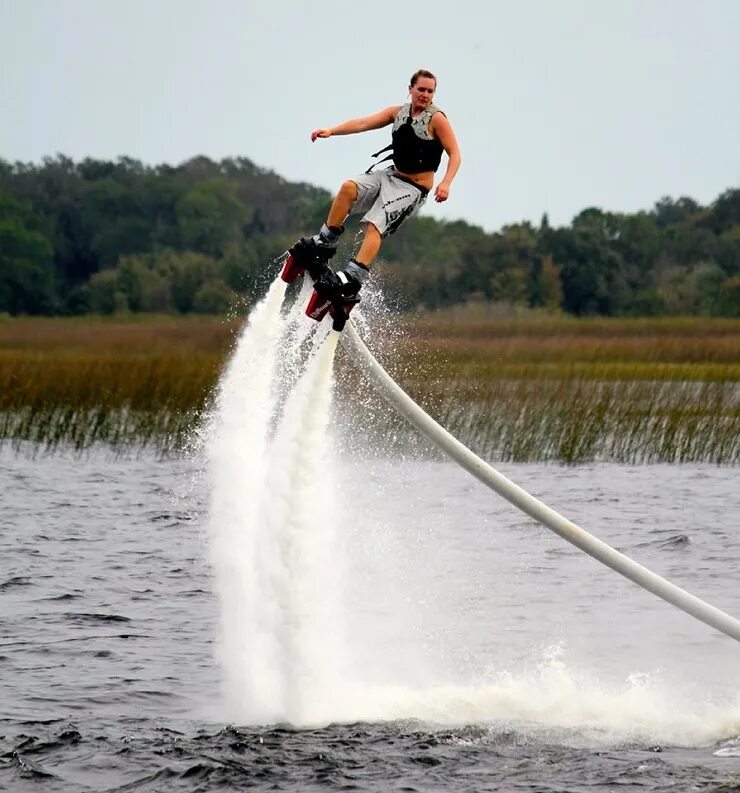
[[528, 504]]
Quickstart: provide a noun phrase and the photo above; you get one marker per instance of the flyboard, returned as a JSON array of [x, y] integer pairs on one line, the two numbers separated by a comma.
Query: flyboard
[[321, 302], [339, 310]]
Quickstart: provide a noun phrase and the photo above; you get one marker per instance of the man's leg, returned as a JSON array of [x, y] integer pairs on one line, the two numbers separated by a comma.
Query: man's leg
[[313, 253], [342, 204], [370, 245], [347, 282]]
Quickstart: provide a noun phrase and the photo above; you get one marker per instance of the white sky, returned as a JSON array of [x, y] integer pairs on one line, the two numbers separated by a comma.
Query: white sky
[[557, 104]]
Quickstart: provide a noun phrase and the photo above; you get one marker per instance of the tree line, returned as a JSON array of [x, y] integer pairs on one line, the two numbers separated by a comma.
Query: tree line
[[105, 237]]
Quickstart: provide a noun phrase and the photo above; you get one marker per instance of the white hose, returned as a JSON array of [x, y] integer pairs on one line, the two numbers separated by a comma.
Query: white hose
[[529, 504]]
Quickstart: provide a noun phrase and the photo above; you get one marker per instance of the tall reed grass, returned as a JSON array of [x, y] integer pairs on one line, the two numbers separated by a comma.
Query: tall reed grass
[[578, 420], [127, 382], [124, 400], [513, 389]]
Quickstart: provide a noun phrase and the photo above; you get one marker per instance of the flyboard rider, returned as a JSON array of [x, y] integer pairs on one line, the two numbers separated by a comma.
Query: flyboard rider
[[385, 198]]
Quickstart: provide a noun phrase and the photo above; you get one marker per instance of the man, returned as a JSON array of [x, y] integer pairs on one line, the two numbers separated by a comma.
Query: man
[[421, 132]]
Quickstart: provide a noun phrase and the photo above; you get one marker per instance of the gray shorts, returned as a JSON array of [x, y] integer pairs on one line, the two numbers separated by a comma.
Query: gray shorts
[[385, 200]]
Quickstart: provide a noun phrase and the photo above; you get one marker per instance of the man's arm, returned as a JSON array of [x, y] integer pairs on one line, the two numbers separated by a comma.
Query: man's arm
[[442, 130], [376, 121]]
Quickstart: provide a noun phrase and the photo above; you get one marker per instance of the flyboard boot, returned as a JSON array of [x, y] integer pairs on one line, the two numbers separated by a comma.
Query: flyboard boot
[[334, 293], [337, 294], [311, 254]]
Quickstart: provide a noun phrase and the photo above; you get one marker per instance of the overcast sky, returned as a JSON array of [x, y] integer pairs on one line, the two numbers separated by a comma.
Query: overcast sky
[[557, 104]]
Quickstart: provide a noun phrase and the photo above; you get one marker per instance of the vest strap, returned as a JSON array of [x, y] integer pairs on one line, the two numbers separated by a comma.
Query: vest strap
[[389, 147]]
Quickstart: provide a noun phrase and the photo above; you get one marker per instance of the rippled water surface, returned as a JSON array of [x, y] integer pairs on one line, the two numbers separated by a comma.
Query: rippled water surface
[[480, 652]]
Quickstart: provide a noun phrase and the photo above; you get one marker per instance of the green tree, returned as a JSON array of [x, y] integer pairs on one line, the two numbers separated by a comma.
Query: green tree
[[145, 288], [121, 224], [186, 274], [210, 217], [592, 272], [242, 267], [213, 297], [105, 298], [26, 262], [709, 279], [638, 243], [145, 223], [724, 213], [545, 287], [728, 299], [728, 250], [668, 212]]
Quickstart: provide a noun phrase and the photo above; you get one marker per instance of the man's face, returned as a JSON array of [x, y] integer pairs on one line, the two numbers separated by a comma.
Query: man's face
[[422, 92]]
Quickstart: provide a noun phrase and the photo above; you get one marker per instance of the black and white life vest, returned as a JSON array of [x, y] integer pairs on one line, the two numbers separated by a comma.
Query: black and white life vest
[[414, 150]]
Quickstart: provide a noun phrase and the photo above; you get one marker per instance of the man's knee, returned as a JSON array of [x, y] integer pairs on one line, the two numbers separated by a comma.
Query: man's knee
[[372, 230], [349, 190]]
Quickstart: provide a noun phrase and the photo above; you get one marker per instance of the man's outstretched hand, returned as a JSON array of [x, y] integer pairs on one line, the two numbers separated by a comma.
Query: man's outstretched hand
[[441, 192]]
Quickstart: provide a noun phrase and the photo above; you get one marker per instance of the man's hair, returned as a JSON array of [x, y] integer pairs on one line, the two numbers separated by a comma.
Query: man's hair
[[422, 73]]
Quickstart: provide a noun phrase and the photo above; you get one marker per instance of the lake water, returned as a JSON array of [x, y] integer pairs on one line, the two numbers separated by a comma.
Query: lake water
[[469, 648], [283, 609]]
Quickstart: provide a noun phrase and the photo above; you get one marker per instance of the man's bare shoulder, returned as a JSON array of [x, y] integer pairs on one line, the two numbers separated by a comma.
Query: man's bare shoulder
[[438, 120]]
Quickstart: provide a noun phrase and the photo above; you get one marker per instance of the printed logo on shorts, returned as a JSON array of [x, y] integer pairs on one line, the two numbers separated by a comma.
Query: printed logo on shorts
[[394, 217]]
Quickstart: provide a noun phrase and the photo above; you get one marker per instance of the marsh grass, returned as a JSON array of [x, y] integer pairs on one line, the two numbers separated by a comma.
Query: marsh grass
[[543, 388], [576, 420], [124, 382], [525, 389], [124, 400]]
